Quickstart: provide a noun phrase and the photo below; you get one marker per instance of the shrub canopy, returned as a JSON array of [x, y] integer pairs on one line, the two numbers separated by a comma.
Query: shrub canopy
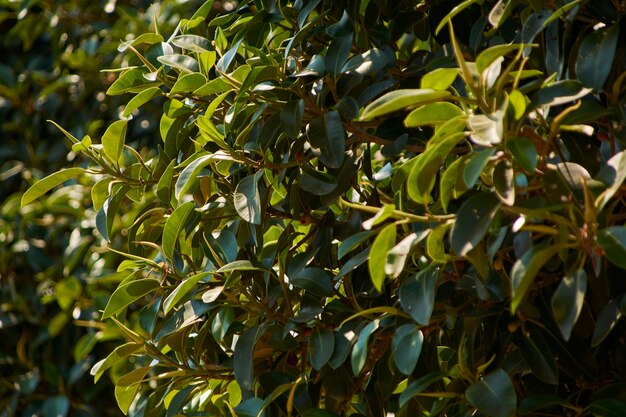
[[367, 208]]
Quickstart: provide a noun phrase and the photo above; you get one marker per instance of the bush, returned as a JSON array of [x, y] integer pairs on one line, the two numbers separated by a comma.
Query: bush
[[385, 208]]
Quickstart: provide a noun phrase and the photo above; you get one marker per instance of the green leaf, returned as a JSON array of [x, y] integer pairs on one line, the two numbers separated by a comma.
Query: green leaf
[[127, 386], [321, 347], [337, 54], [559, 93], [606, 321], [435, 247], [183, 63], [473, 221], [383, 214], [173, 226], [128, 293], [612, 240], [328, 139], [291, 118], [181, 290], [243, 362], [242, 265], [225, 61], [316, 182], [406, 345], [490, 55], [418, 386], [190, 174], [164, 186], [475, 165], [503, 178], [119, 353], [106, 215], [487, 129], [46, 184], [188, 83], [608, 408], [525, 270], [567, 301], [613, 174], [439, 79], [221, 323], [417, 295], [524, 152], [113, 140], [143, 39], [456, 10], [360, 351], [396, 257], [193, 43], [494, 395], [539, 357], [140, 99], [247, 198], [131, 81], [432, 114], [367, 63], [595, 55], [401, 99], [353, 242], [314, 280], [385, 240]]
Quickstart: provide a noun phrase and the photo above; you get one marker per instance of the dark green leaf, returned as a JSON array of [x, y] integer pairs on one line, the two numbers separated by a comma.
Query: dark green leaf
[[360, 351], [560, 92], [494, 395], [407, 346], [608, 408], [606, 321], [173, 226], [524, 152], [417, 295], [243, 362], [473, 221], [418, 386], [181, 290], [595, 54], [57, 406], [612, 240], [337, 54], [321, 347], [539, 357], [567, 301], [525, 270], [328, 139], [314, 280], [247, 199], [537, 402]]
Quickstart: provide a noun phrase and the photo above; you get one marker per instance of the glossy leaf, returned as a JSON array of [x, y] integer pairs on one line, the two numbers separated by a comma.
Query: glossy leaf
[[567, 301], [525, 270], [432, 114], [173, 226], [140, 99], [407, 346], [46, 184], [606, 321], [127, 386], [328, 139], [247, 199], [119, 353], [113, 140], [417, 295], [494, 395], [321, 347], [612, 240], [473, 221], [439, 79], [385, 240], [243, 366], [401, 99], [360, 351], [181, 290], [595, 52], [128, 293], [524, 152]]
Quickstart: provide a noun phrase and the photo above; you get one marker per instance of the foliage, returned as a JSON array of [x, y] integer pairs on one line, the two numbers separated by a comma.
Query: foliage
[[53, 267], [393, 207]]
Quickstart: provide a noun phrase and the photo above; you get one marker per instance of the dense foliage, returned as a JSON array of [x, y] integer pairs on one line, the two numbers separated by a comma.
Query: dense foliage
[[366, 208], [52, 55]]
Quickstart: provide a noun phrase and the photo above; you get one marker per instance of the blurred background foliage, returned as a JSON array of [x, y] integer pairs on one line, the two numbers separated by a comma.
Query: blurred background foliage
[[53, 274]]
